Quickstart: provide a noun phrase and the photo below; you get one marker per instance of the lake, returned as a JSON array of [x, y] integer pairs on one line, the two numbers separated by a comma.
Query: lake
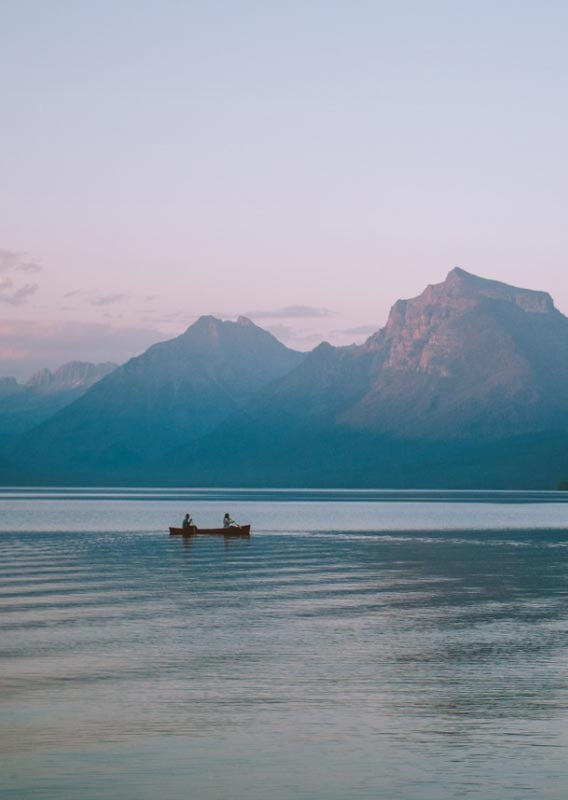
[[390, 645]]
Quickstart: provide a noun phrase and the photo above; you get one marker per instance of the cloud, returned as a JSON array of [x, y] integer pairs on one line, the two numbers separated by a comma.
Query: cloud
[[12, 296], [107, 299], [361, 330], [292, 312], [29, 266], [26, 346], [95, 298], [12, 260]]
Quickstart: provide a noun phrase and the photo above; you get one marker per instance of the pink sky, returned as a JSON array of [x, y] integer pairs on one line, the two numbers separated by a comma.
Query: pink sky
[[310, 163]]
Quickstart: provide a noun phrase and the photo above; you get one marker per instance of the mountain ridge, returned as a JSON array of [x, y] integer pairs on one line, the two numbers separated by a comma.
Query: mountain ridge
[[24, 406], [176, 390], [455, 374], [467, 363], [70, 376]]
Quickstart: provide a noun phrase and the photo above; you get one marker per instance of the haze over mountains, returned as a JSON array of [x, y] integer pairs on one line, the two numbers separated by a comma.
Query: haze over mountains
[[23, 406], [176, 391], [465, 386]]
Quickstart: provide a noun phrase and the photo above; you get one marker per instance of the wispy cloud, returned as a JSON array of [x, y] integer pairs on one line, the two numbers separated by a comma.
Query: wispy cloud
[[361, 330], [12, 260], [292, 312], [12, 296], [95, 297], [107, 299], [11, 293]]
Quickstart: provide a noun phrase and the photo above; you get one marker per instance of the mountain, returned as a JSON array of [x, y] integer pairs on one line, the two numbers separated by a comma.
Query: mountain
[[176, 391], [466, 385], [9, 387], [23, 406], [468, 358], [71, 377]]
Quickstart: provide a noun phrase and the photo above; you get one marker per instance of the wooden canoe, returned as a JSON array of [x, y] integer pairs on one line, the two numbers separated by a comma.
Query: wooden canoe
[[244, 530]]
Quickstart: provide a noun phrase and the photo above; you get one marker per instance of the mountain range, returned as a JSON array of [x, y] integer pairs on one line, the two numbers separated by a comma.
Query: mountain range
[[466, 386], [176, 391], [23, 406]]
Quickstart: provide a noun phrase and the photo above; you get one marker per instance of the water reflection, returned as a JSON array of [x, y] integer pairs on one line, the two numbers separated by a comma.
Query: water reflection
[[327, 664]]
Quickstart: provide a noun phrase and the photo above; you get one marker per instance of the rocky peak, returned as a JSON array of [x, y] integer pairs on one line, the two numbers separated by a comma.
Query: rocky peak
[[210, 324], [40, 379], [210, 332], [245, 322], [69, 377], [206, 324], [462, 284], [421, 332]]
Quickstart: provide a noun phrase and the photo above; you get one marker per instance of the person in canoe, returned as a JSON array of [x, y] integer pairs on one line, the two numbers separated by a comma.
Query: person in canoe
[[229, 522], [187, 522]]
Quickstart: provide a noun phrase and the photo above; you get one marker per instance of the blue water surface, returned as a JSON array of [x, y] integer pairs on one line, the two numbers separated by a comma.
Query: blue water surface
[[360, 645]]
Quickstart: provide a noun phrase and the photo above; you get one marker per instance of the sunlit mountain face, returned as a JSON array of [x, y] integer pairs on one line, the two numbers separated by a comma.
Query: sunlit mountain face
[[466, 385]]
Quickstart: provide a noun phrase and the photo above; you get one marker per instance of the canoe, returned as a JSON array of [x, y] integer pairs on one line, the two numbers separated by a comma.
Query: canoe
[[244, 530]]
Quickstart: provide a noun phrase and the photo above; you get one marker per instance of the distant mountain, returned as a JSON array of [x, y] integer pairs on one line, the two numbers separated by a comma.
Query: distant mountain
[[71, 377], [465, 387], [176, 391], [432, 399], [8, 387], [23, 406]]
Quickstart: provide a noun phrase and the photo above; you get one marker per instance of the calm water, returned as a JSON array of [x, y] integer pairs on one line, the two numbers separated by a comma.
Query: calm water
[[360, 645]]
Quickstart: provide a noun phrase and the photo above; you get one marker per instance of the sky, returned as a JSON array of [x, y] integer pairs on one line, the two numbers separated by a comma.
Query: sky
[[305, 163]]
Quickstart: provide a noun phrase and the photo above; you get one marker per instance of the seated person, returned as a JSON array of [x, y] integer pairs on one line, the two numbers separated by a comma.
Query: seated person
[[187, 522], [228, 522]]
